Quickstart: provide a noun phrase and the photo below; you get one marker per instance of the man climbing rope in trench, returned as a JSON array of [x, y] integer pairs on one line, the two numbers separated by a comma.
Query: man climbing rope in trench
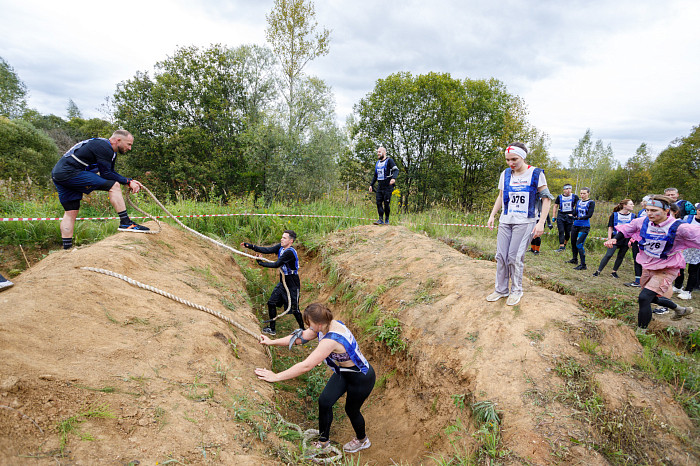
[[288, 262]]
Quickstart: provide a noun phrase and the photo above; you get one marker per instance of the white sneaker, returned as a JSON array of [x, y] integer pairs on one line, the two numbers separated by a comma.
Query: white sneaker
[[6, 284], [495, 296], [514, 299], [684, 295], [677, 290], [354, 445]]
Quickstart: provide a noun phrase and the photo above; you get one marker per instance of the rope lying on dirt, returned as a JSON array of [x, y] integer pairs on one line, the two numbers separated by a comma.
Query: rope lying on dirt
[[216, 314], [218, 243], [308, 435]]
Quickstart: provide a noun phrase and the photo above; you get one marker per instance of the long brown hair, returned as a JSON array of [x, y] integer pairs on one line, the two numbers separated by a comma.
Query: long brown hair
[[317, 313], [621, 205]]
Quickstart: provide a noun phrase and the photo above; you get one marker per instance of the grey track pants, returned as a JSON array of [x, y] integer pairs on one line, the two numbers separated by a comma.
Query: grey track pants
[[511, 244]]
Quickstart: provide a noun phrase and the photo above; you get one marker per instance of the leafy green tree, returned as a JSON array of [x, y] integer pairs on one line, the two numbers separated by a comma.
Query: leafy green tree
[[591, 162], [26, 153], [72, 111], [678, 166], [13, 92], [188, 120], [447, 136], [295, 39], [66, 133]]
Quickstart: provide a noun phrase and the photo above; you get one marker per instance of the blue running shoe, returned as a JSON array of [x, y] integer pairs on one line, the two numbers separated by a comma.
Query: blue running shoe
[[134, 227]]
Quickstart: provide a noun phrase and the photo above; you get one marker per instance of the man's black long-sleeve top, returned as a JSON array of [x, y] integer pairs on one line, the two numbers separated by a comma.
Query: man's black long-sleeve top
[[288, 261]]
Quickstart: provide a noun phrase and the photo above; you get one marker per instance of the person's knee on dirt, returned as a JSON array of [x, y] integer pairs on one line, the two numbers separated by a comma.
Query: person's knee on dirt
[[76, 173], [288, 263], [352, 373], [522, 195], [385, 172]]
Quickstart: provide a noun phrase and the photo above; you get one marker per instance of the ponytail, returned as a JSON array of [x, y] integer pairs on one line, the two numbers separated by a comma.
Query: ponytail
[[621, 205], [317, 313]]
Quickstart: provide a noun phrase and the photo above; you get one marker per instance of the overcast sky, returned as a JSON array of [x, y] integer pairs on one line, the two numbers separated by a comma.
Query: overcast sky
[[628, 70]]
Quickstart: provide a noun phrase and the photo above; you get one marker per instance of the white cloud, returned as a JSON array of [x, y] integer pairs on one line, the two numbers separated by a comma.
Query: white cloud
[[628, 70]]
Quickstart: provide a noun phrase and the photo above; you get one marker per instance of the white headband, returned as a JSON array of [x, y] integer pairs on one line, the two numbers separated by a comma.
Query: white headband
[[517, 151]]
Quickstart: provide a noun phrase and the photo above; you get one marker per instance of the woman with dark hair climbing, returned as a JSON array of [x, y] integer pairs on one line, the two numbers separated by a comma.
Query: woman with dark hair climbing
[[352, 374], [522, 194], [622, 213], [661, 237]]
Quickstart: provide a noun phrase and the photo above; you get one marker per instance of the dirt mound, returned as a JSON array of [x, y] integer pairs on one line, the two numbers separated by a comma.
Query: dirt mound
[[90, 356], [87, 356], [562, 382]]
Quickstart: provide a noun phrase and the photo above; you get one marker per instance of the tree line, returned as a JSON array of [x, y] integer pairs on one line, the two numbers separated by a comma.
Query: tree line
[[218, 122]]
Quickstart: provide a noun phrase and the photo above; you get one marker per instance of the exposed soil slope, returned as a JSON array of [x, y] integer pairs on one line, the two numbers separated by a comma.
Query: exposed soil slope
[[173, 376], [181, 386], [459, 344]]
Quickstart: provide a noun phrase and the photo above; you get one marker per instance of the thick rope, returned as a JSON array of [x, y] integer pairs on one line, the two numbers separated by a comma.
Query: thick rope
[[218, 243], [308, 435], [216, 314]]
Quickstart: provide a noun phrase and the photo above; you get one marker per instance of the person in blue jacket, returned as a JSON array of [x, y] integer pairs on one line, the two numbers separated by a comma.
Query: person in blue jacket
[[385, 172], [352, 374], [585, 208], [76, 173], [622, 213]]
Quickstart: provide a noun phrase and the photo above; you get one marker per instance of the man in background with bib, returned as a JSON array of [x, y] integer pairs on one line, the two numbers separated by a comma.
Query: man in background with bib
[[385, 172]]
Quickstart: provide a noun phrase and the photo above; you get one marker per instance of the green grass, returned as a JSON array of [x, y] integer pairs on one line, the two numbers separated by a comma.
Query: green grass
[[69, 426]]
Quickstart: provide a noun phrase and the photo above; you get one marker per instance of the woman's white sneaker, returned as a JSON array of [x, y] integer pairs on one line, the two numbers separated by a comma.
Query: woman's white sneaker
[[514, 298], [495, 296], [355, 445], [684, 295]]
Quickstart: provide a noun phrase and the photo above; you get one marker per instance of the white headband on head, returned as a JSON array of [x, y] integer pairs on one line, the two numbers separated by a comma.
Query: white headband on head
[[517, 151]]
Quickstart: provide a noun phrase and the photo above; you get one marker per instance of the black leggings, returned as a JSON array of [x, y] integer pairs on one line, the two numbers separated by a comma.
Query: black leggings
[[646, 298], [621, 251], [564, 228], [279, 298], [358, 387], [693, 278], [384, 202], [637, 267]]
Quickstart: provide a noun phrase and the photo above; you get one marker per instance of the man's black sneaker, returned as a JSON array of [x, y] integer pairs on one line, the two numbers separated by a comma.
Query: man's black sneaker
[[614, 275], [561, 249], [269, 331], [379, 222], [596, 273], [580, 267], [134, 228], [633, 284], [660, 310], [572, 261]]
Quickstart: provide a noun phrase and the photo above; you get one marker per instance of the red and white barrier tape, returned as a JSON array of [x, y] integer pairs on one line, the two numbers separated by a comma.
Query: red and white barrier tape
[[29, 219]]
